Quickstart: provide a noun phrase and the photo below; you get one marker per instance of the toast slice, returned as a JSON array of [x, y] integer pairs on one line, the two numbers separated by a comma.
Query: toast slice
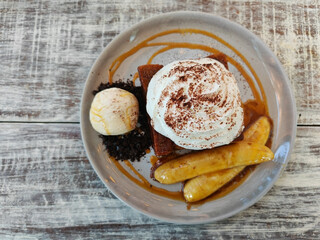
[[162, 145], [221, 58]]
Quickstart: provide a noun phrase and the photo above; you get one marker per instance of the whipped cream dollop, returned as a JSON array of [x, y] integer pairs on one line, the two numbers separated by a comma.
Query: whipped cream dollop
[[195, 103]]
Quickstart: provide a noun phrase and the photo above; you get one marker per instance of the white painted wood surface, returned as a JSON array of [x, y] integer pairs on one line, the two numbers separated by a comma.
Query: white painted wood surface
[[48, 190]]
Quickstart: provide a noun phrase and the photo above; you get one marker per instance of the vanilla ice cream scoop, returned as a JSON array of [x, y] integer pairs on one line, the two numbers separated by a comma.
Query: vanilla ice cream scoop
[[195, 103], [114, 111]]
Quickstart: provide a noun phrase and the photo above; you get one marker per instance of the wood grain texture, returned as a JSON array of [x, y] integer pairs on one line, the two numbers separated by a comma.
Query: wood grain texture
[[48, 189], [48, 47]]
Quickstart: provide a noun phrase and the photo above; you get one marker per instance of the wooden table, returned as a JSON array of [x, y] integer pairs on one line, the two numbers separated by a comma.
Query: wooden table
[[48, 188]]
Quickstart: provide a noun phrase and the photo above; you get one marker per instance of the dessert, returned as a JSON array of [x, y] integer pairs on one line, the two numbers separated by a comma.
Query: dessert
[[195, 103], [162, 145], [207, 170], [114, 111], [198, 112], [133, 145]]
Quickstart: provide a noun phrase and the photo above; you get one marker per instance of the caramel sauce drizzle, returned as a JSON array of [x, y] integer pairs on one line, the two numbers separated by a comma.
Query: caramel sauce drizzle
[[135, 77], [153, 160], [144, 182], [252, 108]]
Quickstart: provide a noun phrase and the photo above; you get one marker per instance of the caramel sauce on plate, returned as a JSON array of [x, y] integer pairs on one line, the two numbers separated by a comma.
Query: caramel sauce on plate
[[144, 182], [253, 109], [153, 160]]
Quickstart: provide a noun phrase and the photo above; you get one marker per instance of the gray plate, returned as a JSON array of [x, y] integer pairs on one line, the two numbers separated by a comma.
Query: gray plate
[[275, 83]]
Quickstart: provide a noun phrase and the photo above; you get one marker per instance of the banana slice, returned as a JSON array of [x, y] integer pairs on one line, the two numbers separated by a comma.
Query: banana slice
[[204, 185], [198, 163]]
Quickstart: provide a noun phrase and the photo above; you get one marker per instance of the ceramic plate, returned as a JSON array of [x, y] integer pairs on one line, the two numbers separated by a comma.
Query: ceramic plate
[[233, 39]]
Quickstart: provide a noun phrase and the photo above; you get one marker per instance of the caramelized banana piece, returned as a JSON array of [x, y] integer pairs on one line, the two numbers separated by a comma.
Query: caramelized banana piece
[[204, 185], [258, 132], [198, 163]]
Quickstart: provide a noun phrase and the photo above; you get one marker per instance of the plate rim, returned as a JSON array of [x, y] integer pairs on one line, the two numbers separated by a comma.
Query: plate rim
[[214, 18]]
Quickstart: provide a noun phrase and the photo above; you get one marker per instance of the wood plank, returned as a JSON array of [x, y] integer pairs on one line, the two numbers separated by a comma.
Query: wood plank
[[48, 189], [48, 47]]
